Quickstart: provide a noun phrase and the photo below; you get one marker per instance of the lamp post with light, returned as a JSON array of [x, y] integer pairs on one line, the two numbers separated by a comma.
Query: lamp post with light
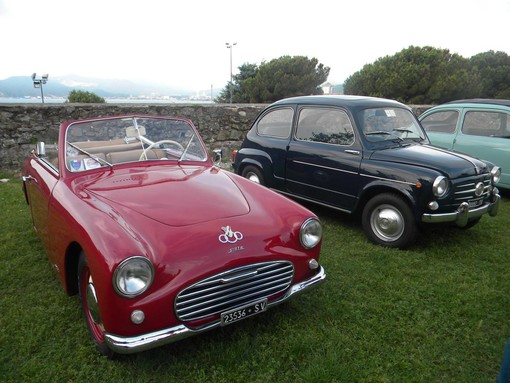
[[230, 46], [38, 83]]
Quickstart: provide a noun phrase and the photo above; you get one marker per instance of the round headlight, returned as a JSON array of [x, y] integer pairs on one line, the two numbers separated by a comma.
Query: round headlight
[[133, 276], [496, 174], [440, 186], [311, 233]]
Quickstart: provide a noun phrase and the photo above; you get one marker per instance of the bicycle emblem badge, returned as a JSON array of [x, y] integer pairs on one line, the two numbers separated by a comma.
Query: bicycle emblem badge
[[230, 236]]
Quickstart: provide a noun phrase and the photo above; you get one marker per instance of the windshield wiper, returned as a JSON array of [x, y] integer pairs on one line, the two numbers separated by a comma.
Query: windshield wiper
[[377, 132], [98, 159]]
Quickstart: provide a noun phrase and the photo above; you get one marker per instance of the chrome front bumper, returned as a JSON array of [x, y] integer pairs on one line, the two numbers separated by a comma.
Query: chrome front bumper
[[128, 345], [463, 214]]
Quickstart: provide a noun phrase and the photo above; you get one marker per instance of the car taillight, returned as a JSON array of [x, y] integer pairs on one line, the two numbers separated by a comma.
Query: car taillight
[[234, 153]]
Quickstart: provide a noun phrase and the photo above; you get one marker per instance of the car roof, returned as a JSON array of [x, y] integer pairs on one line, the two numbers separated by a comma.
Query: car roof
[[349, 101], [485, 101]]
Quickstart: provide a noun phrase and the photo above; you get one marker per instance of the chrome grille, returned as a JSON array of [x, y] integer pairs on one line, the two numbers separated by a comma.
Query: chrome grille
[[464, 188], [233, 288]]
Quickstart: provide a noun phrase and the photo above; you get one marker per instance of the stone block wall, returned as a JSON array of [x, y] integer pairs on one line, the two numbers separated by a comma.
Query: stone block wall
[[22, 125]]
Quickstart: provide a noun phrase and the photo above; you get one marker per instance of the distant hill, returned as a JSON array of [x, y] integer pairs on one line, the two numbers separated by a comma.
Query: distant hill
[[22, 86]]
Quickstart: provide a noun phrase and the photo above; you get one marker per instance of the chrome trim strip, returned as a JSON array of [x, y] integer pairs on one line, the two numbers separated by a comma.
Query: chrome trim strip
[[311, 200], [324, 167], [129, 345], [388, 179], [355, 173]]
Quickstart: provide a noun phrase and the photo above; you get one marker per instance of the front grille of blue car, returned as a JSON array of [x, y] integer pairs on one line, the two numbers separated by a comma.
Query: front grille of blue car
[[464, 188], [234, 288]]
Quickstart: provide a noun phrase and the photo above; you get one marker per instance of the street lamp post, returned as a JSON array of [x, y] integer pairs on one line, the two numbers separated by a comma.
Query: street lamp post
[[38, 83], [230, 46]]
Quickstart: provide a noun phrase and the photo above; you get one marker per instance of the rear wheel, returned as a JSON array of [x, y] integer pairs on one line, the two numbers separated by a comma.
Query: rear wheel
[[253, 174], [90, 306], [388, 220]]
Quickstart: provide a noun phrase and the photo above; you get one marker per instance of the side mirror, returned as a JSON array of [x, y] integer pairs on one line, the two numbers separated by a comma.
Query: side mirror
[[40, 149], [217, 156]]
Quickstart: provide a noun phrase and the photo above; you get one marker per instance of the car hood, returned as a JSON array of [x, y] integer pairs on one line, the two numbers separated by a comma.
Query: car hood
[[456, 164], [178, 196]]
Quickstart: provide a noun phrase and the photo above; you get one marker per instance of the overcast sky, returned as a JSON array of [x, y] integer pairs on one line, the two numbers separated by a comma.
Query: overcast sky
[[182, 43]]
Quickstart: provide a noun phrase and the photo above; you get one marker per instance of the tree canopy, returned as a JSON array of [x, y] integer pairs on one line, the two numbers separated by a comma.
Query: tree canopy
[[279, 78], [422, 75], [84, 97]]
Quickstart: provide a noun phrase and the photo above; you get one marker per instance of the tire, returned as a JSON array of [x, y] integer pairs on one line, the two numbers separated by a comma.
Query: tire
[[388, 221], [89, 307], [253, 174]]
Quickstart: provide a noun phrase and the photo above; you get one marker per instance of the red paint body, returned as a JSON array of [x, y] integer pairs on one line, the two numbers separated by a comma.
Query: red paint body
[[173, 214]]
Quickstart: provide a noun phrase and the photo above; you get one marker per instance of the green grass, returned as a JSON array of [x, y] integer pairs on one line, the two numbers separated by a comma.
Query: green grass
[[435, 313]]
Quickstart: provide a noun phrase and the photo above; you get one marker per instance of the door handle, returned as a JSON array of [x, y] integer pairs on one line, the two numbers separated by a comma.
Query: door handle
[[28, 178]]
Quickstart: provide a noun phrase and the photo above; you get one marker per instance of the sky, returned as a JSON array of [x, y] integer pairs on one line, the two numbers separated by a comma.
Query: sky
[[183, 43]]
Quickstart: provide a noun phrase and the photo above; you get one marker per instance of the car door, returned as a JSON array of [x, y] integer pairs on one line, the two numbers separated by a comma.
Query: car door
[[324, 158], [484, 134], [441, 127], [40, 179]]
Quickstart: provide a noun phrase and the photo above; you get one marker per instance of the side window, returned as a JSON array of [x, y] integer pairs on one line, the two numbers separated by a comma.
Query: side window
[[331, 126], [443, 122], [277, 123], [52, 155], [483, 123], [48, 153]]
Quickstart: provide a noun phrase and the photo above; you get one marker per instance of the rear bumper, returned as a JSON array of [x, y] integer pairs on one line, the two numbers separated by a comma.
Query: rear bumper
[[128, 345], [464, 214]]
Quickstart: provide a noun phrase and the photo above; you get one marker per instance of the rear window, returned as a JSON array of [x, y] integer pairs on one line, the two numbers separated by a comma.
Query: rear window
[[276, 123], [487, 124]]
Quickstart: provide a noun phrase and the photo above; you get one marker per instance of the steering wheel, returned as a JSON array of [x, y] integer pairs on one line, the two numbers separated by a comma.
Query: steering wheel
[[171, 142]]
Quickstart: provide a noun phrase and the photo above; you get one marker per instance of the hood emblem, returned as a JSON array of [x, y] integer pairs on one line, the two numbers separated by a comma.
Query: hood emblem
[[230, 236], [479, 189]]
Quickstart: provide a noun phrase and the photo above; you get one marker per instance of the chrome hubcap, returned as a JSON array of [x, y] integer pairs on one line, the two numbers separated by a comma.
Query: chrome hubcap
[[253, 177], [387, 223], [92, 302]]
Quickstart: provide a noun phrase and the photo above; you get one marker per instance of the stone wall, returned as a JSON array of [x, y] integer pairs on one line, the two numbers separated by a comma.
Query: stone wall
[[22, 125]]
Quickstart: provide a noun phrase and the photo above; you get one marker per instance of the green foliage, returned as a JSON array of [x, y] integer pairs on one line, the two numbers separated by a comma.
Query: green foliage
[[280, 78], [494, 70], [417, 76], [84, 97], [437, 312]]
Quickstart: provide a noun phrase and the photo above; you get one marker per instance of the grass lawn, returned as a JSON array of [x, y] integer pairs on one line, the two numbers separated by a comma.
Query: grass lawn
[[435, 313]]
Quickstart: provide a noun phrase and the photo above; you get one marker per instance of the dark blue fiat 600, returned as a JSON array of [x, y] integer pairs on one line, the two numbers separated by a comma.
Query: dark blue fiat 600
[[369, 156]]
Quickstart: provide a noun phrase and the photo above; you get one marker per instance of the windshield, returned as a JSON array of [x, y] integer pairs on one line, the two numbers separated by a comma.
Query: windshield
[[390, 124], [106, 142]]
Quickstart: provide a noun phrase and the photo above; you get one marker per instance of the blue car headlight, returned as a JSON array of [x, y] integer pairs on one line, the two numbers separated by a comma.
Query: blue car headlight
[[133, 276], [310, 233], [440, 186]]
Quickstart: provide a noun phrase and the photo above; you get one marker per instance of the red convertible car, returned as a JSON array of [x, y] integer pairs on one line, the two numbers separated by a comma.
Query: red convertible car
[[159, 243]]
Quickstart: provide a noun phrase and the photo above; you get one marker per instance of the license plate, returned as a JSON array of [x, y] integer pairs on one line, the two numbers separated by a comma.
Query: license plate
[[243, 312]]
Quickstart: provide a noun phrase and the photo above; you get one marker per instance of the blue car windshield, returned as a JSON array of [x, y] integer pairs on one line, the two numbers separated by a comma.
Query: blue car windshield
[[390, 124]]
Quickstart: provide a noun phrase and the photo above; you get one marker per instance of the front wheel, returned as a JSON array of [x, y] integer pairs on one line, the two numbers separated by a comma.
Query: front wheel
[[90, 307], [253, 174], [388, 220]]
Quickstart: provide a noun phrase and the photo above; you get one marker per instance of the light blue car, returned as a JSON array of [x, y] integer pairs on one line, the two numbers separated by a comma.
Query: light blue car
[[478, 127]]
